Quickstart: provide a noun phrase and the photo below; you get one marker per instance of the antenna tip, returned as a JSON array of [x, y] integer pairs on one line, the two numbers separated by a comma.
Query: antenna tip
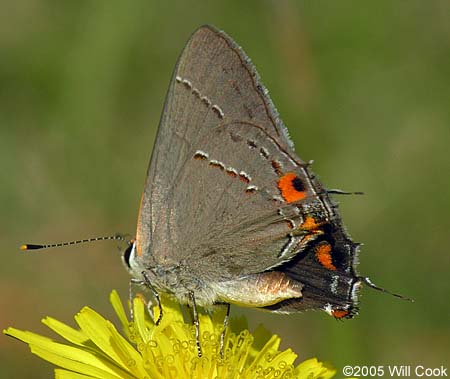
[[28, 246]]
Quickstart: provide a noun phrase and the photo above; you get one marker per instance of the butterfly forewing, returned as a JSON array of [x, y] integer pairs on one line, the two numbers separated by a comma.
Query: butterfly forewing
[[213, 83]]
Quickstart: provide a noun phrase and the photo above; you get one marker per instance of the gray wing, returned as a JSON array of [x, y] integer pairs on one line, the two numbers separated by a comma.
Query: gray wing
[[192, 205], [225, 213]]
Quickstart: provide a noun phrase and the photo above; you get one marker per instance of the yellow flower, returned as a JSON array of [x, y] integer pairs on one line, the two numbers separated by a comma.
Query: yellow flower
[[98, 350]]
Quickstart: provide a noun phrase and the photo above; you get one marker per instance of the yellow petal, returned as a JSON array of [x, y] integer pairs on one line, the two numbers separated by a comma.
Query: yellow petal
[[284, 359], [237, 348], [64, 374], [70, 334], [269, 347], [128, 354], [75, 362], [139, 320], [170, 305], [66, 356], [312, 368], [120, 311], [164, 351], [103, 334], [25, 336]]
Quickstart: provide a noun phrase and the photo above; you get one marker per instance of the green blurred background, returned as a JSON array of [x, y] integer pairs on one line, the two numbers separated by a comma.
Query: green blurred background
[[364, 88]]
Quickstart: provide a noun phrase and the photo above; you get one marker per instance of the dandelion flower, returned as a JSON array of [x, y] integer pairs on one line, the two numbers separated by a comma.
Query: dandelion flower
[[168, 350]]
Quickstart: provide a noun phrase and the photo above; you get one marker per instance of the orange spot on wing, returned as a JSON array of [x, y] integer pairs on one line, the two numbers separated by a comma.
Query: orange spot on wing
[[290, 224], [244, 178], [309, 224], [277, 167], [339, 313], [231, 173], [312, 226], [309, 237], [217, 165], [288, 191], [323, 255], [200, 157]]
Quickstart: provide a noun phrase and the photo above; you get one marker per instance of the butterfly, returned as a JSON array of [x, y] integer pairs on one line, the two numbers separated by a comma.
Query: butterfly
[[230, 214]]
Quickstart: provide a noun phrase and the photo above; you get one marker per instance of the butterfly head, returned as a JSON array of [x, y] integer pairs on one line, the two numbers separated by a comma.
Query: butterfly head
[[130, 258]]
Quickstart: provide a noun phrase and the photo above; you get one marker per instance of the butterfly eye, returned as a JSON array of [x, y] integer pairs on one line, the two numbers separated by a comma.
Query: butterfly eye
[[127, 255]]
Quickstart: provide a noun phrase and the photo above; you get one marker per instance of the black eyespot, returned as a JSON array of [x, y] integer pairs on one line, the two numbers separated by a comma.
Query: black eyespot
[[298, 184]]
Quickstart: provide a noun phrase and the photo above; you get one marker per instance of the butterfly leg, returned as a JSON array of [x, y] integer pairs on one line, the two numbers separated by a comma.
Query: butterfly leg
[[155, 294], [196, 323], [225, 326]]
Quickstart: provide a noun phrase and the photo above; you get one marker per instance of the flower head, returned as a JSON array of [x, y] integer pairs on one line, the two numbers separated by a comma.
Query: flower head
[[98, 350]]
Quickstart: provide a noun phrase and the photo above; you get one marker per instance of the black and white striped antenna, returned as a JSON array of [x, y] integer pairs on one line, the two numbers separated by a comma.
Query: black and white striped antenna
[[32, 246]]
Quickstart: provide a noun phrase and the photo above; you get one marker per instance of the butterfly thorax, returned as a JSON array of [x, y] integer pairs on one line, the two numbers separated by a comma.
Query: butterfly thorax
[[172, 278]]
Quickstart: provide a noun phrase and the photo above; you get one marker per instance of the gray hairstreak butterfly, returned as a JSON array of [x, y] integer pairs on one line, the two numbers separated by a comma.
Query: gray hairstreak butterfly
[[230, 214]]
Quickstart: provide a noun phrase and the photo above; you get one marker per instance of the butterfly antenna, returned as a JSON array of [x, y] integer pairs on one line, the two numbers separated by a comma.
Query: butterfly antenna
[[340, 192], [31, 246], [369, 283]]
